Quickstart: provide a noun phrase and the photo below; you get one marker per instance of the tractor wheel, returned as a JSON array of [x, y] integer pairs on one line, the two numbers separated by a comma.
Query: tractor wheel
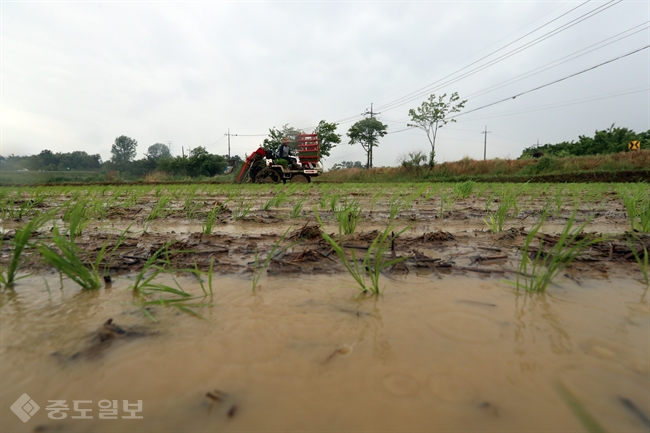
[[267, 175], [299, 178]]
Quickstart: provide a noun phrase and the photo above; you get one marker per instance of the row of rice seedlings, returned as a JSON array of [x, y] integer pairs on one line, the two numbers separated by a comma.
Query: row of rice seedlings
[[374, 261], [536, 272]]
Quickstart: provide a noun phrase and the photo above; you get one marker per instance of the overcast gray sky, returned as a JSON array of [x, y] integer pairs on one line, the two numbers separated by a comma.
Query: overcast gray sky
[[76, 75]]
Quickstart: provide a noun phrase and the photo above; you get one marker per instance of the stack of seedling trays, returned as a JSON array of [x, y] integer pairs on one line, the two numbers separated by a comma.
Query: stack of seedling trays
[[308, 149]]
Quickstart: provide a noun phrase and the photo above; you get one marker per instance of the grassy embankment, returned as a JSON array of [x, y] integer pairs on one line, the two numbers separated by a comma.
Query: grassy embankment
[[620, 167]]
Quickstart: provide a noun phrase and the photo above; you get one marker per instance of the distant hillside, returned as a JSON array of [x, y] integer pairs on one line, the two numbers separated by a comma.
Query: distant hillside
[[605, 142]]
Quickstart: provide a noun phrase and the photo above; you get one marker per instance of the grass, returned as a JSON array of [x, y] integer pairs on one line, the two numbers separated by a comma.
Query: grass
[[537, 272]]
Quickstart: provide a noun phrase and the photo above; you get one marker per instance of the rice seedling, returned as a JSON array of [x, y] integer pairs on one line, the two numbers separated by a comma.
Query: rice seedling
[[464, 189], [642, 260], [373, 262], [348, 216], [69, 263], [587, 420], [208, 225], [78, 217], [497, 219], [297, 208], [160, 209], [242, 209], [9, 276], [258, 268], [396, 205], [536, 272]]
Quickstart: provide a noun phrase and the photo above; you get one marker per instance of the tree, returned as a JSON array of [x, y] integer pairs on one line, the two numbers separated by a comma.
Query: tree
[[275, 137], [124, 149], [366, 132], [157, 151], [327, 137], [432, 115]]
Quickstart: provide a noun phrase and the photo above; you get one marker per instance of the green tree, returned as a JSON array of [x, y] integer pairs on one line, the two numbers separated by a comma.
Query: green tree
[[327, 137], [432, 115], [275, 137], [366, 132], [157, 151], [124, 149]]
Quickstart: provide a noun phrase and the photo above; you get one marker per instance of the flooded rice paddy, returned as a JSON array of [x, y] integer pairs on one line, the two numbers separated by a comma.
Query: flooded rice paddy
[[292, 344]]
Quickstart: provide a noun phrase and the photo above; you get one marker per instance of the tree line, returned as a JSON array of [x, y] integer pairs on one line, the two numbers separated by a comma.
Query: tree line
[[611, 140], [430, 117]]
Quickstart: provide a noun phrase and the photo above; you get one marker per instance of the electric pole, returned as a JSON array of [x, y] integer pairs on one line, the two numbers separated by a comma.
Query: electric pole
[[486, 132], [372, 116], [229, 134], [169, 146]]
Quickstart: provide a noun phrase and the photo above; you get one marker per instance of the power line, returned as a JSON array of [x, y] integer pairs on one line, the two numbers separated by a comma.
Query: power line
[[437, 84], [574, 54], [552, 82]]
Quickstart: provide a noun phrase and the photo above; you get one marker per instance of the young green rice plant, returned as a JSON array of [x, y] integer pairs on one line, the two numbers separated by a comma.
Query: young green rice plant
[[348, 216], [642, 260], [160, 209], [497, 219], [78, 217], [637, 205], [579, 411], [208, 225], [464, 189], [8, 276], [372, 264], [243, 208], [68, 262], [276, 250], [537, 272], [297, 208], [396, 205]]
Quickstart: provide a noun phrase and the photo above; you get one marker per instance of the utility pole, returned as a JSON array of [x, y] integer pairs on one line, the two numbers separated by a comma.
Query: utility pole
[[228, 134], [372, 115], [169, 146], [486, 132]]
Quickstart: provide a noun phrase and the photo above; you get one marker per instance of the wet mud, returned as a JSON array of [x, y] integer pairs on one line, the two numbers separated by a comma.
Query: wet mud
[[450, 344]]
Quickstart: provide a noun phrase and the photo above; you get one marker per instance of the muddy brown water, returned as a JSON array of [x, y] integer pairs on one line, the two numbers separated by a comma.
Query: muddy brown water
[[439, 350], [303, 354]]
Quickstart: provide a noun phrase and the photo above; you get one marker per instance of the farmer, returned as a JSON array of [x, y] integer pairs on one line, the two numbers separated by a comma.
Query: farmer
[[284, 153]]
